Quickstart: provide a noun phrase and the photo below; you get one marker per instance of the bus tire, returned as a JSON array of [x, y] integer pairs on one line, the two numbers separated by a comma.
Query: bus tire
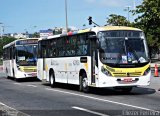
[[16, 79], [13, 73], [8, 77], [80, 85], [52, 80], [84, 84]]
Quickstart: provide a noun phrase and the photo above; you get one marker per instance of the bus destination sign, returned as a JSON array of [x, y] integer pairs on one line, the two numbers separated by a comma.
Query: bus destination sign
[[24, 42]]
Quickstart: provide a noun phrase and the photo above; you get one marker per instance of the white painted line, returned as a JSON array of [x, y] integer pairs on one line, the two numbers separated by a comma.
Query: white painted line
[[89, 111], [31, 85], [103, 100], [17, 83], [9, 111]]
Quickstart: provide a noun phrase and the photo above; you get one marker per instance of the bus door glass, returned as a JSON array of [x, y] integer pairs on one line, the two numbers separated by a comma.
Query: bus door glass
[[94, 56], [44, 56], [12, 59]]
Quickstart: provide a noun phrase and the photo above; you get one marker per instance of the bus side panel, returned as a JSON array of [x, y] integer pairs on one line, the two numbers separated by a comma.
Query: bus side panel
[[40, 69], [67, 70], [59, 67], [7, 67], [87, 67], [71, 64]]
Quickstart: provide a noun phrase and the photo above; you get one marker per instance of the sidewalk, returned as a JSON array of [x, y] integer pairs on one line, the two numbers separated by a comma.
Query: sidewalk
[[155, 62], [155, 83]]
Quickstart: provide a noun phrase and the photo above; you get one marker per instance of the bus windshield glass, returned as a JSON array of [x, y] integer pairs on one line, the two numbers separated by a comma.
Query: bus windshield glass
[[123, 47], [26, 55]]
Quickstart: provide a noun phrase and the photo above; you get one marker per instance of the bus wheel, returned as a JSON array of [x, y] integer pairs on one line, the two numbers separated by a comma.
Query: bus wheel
[[8, 77], [52, 80], [16, 79], [84, 84]]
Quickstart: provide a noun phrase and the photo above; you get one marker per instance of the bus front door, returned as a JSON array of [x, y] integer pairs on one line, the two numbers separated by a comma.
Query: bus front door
[[94, 62], [44, 63]]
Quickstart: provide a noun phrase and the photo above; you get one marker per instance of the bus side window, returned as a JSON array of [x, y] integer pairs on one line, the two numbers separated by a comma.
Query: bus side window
[[82, 45], [43, 49], [52, 52]]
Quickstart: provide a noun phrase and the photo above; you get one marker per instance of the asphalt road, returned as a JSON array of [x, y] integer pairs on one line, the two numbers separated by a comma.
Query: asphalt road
[[31, 97]]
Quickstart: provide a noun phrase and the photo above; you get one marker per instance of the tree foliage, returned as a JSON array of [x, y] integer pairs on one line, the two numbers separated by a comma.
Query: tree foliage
[[4, 41], [117, 20], [36, 35], [149, 20]]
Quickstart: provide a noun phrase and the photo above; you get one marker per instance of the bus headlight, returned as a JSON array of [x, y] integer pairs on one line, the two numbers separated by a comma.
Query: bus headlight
[[146, 71], [105, 71]]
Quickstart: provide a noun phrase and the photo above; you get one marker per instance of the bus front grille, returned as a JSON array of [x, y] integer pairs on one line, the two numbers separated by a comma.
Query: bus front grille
[[130, 74], [29, 70]]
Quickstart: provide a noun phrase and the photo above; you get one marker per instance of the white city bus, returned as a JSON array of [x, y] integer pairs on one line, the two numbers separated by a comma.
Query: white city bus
[[111, 56], [20, 58]]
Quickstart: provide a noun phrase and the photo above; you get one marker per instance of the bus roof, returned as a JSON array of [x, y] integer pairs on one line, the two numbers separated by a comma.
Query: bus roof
[[13, 42], [107, 28], [94, 29]]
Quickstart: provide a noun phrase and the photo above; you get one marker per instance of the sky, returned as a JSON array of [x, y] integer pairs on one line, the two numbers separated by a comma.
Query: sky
[[19, 16]]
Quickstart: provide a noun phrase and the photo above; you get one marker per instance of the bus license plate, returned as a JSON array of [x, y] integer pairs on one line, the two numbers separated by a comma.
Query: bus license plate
[[128, 80], [34, 74]]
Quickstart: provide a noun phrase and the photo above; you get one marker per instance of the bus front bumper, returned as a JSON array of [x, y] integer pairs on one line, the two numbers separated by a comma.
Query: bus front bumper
[[25, 75], [108, 81]]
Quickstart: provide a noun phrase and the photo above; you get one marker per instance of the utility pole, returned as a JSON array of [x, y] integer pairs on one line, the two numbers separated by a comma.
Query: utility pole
[[66, 15], [134, 7], [1, 30]]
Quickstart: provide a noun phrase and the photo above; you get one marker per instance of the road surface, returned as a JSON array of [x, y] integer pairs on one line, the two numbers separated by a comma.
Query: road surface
[[31, 97]]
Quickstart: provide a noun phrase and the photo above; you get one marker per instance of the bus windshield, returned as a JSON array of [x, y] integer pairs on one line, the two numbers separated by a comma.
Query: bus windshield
[[26, 55], [123, 47]]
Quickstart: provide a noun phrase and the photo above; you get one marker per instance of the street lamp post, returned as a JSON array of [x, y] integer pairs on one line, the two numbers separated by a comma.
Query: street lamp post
[[66, 15], [127, 9]]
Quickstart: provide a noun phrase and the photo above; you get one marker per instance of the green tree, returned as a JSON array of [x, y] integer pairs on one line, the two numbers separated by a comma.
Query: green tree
[[149, 21], [36, 35], [4, 41], [117, 20]]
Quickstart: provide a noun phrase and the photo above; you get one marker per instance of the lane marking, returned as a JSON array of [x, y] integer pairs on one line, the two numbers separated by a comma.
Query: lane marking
[[17, 83], [31, 85], [104, 100], [9, 111], [25, 85], [89, 111]]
